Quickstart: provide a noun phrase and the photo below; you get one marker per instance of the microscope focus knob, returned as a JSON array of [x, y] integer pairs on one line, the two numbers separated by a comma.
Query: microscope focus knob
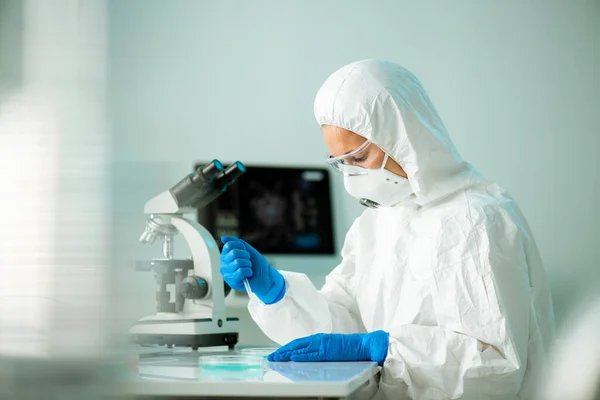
[[194, 288]]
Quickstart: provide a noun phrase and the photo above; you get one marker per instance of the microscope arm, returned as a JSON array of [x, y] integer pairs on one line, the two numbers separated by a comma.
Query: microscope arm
[[205, 255]]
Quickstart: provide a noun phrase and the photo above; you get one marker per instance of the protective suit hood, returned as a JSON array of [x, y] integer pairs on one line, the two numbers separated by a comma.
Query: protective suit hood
[[387, 105]]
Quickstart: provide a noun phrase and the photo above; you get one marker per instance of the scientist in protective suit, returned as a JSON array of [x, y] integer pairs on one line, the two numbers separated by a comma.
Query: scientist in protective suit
[[440, 283]]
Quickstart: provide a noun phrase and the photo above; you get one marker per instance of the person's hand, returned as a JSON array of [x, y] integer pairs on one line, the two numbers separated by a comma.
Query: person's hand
[[239, 260], [335, 347]]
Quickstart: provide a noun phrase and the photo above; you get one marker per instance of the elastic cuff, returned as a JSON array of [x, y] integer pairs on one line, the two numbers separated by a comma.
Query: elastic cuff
[[379, 342]]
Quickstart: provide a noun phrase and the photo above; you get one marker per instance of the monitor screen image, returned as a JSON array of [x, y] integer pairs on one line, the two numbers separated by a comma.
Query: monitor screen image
[[278, 210]]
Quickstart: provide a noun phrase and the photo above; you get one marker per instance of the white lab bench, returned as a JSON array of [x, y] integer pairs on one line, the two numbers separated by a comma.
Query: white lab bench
[[177, 374]]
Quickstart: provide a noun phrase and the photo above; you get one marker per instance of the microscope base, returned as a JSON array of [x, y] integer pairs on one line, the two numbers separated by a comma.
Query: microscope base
[[193, 341], [194, 333]]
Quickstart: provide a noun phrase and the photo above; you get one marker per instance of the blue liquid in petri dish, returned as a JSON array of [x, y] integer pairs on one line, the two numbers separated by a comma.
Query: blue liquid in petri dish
[[231, 363], [216, 367], [232, 368]]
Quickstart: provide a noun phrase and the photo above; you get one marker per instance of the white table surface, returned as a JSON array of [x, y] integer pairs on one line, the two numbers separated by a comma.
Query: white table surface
[[178, 373]]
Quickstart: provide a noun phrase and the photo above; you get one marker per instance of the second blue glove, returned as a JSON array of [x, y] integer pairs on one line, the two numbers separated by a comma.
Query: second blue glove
[[239, 260], [336, 347]]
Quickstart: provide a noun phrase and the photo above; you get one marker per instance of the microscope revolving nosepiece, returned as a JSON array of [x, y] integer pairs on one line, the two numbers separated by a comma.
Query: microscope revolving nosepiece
[[148, 236], [155, 228]]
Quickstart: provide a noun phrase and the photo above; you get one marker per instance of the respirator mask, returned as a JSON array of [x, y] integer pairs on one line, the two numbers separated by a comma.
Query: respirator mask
[[373, 187]]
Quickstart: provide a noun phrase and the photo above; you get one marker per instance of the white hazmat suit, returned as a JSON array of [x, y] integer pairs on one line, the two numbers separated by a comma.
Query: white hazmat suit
[[453, 274]]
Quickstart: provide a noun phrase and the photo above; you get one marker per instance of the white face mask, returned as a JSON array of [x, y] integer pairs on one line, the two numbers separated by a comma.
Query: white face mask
[[376, 187]]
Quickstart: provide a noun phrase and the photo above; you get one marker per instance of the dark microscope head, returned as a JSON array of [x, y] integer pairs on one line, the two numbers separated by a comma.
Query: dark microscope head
[[204, 185]]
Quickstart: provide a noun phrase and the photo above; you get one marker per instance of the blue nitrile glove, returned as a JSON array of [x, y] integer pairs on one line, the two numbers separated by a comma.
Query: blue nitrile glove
[[239, 260], [336, 347]]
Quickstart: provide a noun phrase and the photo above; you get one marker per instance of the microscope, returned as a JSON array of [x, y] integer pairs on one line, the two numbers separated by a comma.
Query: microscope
[[191, 314]]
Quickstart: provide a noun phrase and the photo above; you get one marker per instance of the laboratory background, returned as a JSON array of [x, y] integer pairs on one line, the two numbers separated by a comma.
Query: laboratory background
[[104, 104]]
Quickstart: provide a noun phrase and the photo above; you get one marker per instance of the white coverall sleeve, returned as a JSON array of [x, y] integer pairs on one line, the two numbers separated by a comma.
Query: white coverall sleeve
[[304, 310], [482, 305]]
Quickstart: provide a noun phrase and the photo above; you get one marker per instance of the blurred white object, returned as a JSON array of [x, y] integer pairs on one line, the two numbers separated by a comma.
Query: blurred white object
[[574, 371], [54, 162], [55, 153], [454, 274], [197, 317]]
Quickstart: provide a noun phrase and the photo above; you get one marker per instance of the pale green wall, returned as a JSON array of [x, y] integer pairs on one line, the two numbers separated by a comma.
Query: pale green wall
[[516, 83]]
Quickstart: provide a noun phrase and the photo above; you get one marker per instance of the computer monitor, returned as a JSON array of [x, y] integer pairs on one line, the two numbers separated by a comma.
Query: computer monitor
[[278, 210]]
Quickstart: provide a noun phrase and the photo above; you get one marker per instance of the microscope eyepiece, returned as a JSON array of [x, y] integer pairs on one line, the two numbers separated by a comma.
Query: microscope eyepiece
[[241, 166], [206, 184], [233, 172], [212, 170]]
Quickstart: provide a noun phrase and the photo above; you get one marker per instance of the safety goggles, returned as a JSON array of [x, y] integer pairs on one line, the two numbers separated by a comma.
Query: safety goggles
[[356, 162]]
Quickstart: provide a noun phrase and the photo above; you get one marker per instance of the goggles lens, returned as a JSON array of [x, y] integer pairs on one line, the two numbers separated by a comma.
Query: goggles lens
[[355, 162]]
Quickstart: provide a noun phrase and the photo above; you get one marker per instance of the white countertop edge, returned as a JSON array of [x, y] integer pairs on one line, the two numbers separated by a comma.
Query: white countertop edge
[[150, 387]]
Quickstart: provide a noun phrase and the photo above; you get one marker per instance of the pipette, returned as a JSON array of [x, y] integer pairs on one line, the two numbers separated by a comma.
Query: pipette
[[247, 286]]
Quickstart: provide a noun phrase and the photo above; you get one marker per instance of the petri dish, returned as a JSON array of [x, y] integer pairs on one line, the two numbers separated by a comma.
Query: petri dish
[[262, 352], [221, 374], [231, 363]]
